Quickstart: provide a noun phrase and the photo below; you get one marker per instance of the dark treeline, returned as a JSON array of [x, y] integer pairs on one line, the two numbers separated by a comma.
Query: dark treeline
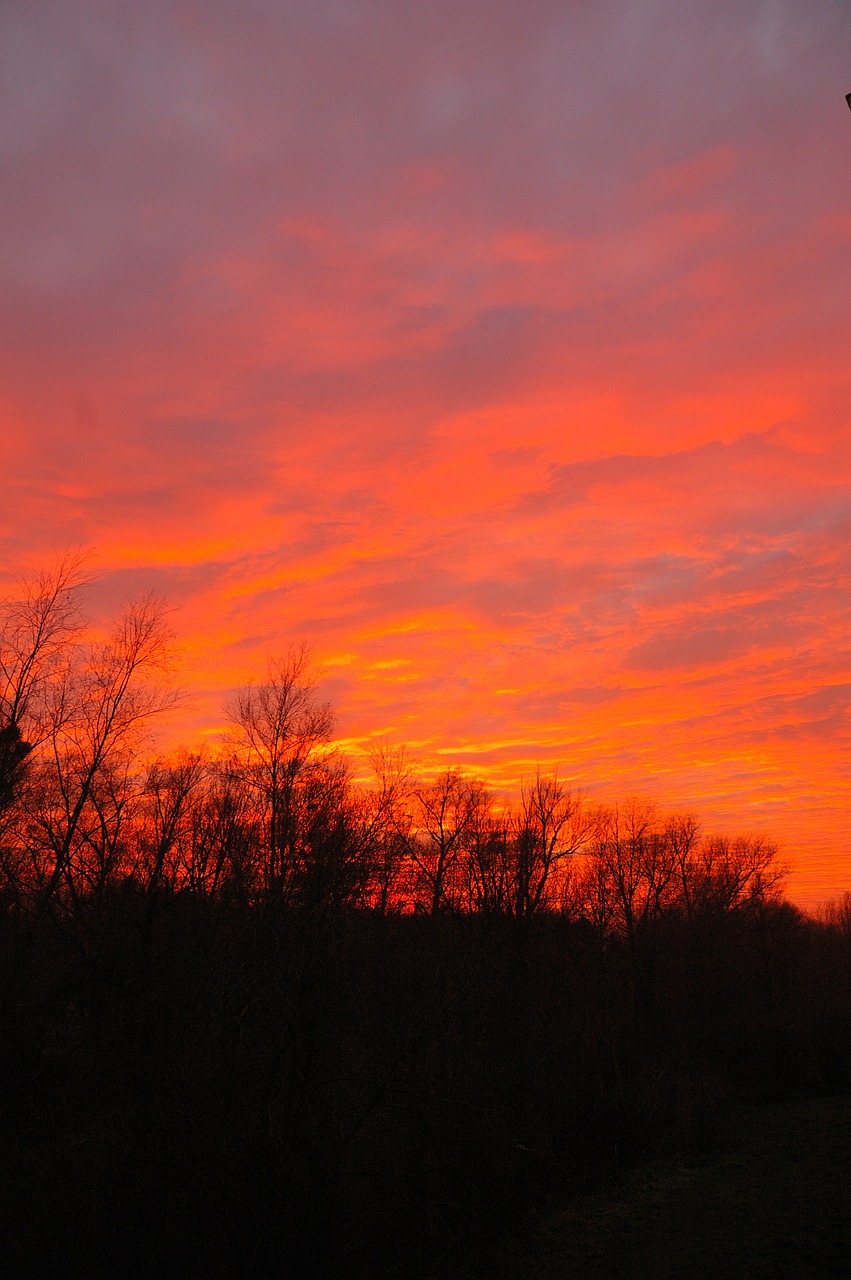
[[261, 1017], [275, 817]]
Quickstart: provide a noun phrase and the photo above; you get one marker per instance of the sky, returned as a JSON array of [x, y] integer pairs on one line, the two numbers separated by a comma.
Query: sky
[[496, 350]]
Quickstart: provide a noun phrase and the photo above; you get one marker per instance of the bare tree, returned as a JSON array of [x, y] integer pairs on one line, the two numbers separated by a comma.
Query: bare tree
[[488, 854], [735, 874], [101, 702], [836, 914], [643, 864], [170, 792], [389, 815], [280, 726], [222, 850], [335, 851], [443, 811], [629, 867], [36, 628], [682, 832], [549, 826]]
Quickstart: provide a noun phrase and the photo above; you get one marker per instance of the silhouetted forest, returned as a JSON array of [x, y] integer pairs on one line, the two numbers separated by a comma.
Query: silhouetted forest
[[262, 1017]]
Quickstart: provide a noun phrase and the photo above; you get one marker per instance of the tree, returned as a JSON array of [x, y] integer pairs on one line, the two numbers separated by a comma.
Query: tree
[[221, 850], [280, 726], [643, 864], [634, 866], [734, 873], [389, 816], [36, 628], [443, 812], [332, 860], [171, 790], [489, 855], [682, 831], [549, 826], [101, 701]]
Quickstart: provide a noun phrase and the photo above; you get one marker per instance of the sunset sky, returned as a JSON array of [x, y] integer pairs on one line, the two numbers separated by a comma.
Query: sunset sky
[[499, 350]]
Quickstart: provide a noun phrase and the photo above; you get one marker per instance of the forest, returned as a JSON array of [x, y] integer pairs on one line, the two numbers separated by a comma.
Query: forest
[[264, 1015]]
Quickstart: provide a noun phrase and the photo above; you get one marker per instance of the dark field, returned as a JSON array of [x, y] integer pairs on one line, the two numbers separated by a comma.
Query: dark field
[[777, 1204], [213, 1090]]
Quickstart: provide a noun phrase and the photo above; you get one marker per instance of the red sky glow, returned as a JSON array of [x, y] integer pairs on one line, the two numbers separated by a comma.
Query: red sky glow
[[496, 350]]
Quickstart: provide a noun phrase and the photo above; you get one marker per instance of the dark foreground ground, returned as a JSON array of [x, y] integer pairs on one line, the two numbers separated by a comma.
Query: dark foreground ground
[[777, 1203], [196, 1088]]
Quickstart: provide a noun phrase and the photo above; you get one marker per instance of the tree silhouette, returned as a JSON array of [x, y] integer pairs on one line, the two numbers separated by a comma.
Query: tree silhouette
[[549, 826], [444, 810], [280, 726], [99, 705]]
